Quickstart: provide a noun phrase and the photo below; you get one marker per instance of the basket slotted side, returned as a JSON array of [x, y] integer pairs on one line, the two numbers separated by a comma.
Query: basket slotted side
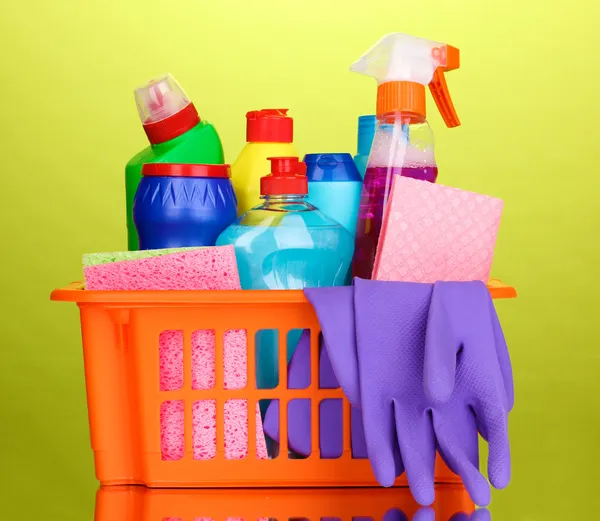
[[120, 332]]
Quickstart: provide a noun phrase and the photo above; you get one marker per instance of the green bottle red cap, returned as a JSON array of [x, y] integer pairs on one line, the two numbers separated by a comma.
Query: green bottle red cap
[[287, 177], [165, 110]]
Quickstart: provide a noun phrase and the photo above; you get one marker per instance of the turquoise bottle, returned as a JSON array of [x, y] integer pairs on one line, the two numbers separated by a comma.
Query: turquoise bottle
[[334, 187]]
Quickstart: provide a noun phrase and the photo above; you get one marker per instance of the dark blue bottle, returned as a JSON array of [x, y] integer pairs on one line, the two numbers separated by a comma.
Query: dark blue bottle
[[181, 205]]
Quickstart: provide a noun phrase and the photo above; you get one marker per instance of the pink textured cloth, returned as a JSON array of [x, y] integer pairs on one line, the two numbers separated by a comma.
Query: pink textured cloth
[[213, 268], [435, 233]]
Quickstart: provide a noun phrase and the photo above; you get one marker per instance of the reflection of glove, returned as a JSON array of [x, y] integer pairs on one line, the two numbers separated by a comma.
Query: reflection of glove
[[468, 379], [481, 514], [394, 514]]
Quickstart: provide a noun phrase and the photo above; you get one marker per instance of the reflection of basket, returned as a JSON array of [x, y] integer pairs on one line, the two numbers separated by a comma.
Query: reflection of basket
[[334, 504], [120, 342]]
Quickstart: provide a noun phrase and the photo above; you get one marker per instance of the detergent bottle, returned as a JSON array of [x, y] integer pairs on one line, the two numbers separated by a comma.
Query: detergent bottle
[[364, 141], [403, 144], [286, 243], [334, 187], [176, 134], [269, 133]]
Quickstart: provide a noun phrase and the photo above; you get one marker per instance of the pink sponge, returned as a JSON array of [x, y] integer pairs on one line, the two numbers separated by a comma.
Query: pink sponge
[[204, 411], [212, 268], [202, 269]]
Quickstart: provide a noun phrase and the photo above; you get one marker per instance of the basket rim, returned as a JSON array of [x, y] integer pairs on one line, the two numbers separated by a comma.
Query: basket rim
[[75, 292]]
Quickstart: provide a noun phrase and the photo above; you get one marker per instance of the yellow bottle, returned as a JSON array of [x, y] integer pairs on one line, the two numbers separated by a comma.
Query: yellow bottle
[[269, 133]]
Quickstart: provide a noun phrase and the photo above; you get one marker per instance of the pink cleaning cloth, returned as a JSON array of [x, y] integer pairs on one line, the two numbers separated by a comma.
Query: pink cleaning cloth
[[211, 268], [432, 233]]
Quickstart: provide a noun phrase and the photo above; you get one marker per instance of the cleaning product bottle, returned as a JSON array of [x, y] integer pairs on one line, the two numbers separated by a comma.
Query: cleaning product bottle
[[366, 133], [286, 243], [334, 187], [176, 135], [183, 205], [403, 144], [269, 133]]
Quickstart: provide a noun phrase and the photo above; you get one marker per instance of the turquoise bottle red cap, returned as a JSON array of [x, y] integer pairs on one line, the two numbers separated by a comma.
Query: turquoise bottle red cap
[[287, 177], [269, 126]]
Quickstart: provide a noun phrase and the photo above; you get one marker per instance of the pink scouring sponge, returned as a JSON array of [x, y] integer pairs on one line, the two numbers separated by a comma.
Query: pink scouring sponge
[[211, 268]]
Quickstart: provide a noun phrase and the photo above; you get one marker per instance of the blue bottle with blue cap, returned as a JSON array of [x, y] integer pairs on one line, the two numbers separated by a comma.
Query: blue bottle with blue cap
[[334, 187], [366, 133]]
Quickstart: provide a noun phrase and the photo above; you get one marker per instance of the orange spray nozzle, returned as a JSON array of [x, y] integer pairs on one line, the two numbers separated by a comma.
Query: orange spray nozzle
[[403, 65]]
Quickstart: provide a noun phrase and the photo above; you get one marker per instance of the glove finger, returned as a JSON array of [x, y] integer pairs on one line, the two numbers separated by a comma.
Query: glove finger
[[494, 422], [440, 346], [417, 449], [380, 436], [503, 357], [457, 439]]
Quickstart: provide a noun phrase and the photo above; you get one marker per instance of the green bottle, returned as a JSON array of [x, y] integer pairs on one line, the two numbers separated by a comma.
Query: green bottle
[[176, 135]]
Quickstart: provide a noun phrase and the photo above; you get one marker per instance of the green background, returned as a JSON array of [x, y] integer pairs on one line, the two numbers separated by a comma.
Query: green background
[[527, 95]]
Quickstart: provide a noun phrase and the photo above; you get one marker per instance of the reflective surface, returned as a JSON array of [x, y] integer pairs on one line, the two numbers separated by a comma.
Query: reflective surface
[[141, 504]]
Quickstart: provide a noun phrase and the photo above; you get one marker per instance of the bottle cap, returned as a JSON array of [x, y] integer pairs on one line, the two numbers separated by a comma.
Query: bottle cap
[[185, 170], [165, 110], [287, 177], [269, 126], [331, 168]]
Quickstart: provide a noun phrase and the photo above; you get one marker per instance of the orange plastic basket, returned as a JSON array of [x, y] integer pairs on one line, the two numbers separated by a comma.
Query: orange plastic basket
[[120, 332], [142, 504]]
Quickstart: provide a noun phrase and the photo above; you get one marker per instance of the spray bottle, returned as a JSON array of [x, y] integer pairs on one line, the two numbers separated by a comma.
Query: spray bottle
[[403, 144]]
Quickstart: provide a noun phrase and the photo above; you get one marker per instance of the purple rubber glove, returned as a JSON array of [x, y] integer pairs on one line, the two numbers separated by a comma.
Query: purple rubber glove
[[438, 391], [412, 400], [468, 380], [391, 319]]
